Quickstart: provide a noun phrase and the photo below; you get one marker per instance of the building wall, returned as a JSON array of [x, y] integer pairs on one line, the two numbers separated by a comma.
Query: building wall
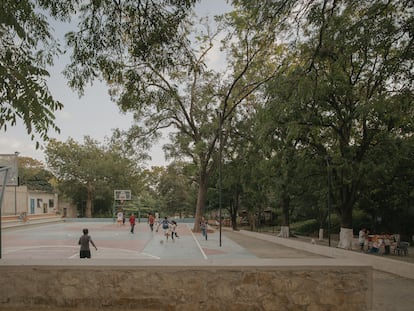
[[67, 209], [14, 200], [19, 200], [42, 202]]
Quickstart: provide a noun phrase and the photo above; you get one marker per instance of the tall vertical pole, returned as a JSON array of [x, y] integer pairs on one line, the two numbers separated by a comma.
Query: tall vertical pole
[[16, 154], [6, 170], [220, 178], [328, 159]]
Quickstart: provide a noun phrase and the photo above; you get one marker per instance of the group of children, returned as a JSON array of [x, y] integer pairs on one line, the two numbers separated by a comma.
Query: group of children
[[169, 229], [376, 243], [120, 219]]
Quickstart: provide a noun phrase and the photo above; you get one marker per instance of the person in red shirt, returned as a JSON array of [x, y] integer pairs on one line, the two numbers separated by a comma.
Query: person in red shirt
[[132, 222], [151, 221]]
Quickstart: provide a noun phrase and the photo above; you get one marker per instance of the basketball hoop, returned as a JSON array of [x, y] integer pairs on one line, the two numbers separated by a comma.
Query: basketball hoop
[[122, 195]]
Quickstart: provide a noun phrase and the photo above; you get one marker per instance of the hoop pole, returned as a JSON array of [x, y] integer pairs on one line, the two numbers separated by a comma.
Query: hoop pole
[[6, 169]]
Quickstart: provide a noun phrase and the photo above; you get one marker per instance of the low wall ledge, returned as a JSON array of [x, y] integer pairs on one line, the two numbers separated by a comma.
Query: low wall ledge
[[128, 263]]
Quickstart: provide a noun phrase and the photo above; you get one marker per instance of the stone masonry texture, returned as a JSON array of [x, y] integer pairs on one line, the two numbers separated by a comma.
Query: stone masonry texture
[[191, 287]]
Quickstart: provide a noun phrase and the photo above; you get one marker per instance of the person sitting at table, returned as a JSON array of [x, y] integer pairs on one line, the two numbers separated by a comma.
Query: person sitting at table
[[361, 238], [387, 244], [367, 244], [375, 246]]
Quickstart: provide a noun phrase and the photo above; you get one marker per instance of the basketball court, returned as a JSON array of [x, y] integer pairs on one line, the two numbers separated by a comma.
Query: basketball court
[[60, 241]]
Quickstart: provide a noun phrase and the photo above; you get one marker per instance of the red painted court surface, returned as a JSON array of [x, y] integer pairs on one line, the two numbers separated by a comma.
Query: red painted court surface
[[60, 241]]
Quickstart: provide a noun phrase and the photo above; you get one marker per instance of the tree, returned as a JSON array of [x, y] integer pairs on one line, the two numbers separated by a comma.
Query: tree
[[168, 86], [353, 66], [361, 73], [387, 196], [115, 38], [176, 188], [33, 174], [90, 168], [26, 49]]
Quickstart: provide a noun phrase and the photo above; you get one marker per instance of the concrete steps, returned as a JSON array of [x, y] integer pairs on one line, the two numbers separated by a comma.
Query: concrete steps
[[15, 221]]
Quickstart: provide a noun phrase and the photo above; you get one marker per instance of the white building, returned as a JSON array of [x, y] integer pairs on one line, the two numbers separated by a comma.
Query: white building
[[19, 199]]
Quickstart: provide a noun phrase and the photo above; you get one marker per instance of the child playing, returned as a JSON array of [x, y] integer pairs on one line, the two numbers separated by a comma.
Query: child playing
[[84, 241], [173, 229]]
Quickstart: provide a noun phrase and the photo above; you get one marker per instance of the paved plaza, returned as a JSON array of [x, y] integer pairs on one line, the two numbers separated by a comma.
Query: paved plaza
[[59, 240]]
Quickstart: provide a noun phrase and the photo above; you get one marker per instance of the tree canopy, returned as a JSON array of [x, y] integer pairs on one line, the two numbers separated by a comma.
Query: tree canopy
[[309, 89], [27, 47]]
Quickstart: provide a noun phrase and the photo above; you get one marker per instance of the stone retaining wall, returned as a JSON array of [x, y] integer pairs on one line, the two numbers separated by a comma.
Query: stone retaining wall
[[322, 284]]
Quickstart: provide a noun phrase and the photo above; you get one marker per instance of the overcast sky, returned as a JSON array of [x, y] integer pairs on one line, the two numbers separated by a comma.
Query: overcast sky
[[91, 115]]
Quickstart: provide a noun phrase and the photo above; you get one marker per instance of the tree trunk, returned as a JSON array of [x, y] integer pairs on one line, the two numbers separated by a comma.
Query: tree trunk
[[234, 210], [252, 221], [346, 233], [89, 198], [346, 238], [233, 215], [284, 232], [320, 234], [201, 199], [284, 229]]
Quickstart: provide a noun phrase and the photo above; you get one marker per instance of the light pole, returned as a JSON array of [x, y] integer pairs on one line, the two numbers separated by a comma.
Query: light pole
[[16, 184], [6, 171], [219, 169], [328, 160]]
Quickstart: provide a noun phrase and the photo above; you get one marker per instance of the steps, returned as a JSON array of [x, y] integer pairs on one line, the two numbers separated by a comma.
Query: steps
[[13, 221]]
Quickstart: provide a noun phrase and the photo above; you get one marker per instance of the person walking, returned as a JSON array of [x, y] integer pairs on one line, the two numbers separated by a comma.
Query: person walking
[[132, 222], [361, 238], [119, 218], [151, 221], [84, 241], [204, 228], [165, 225], [174, 230]]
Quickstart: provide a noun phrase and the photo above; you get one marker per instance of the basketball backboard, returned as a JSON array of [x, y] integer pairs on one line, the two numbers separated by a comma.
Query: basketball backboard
[[122, 195], [10, 161]]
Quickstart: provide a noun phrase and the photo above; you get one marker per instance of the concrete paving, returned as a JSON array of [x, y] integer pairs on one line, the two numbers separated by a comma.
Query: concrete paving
[[50, 242], [391, 292]]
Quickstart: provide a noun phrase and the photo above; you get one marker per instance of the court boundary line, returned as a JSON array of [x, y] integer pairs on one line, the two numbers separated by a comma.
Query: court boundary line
[[198, 244]]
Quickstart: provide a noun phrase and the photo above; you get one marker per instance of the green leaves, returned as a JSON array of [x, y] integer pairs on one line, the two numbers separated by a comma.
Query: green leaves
[[90, 170], [26, 48], [114, 38]]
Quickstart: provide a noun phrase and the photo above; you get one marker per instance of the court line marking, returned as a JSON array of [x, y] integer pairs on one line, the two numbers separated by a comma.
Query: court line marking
[[22, 248], [198, 244], [76, 255]]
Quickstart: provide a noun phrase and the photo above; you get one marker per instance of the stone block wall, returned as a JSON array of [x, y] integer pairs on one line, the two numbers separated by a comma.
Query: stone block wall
[[186, 287]]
